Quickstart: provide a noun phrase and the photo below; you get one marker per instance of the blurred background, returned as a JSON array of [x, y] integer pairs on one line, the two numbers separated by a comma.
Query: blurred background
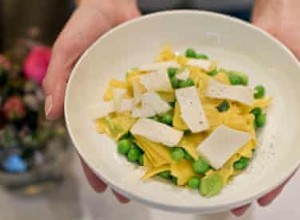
[[40, 175]]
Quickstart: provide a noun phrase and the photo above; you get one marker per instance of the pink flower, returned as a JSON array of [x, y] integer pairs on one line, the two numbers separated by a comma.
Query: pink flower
[[36, 63], [14, 108], [4, 62]]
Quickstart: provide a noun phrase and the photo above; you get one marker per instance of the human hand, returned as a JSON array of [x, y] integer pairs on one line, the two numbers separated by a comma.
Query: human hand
[[91, 19], [281, 19], [263, 201]]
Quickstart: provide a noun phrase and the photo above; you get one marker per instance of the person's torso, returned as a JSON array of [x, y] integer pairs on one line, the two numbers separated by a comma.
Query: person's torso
[[214, 5]]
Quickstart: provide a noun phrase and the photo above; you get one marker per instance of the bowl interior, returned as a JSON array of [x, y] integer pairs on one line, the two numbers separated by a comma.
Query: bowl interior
[[234, 45]]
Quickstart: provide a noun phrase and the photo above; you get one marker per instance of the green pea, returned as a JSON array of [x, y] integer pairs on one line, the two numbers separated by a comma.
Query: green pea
[[223, 107], [211, 185], [172, 104], [241, 164], [237, 78], [127, 135], [133, 154], [172, 71], [213, 72], [175, 83], [174, 180], [187, 132], [190, 53], [186, 83], [256, 111], [194, 182], [259, 92], [260, 120], [155, 118], [202, 56], [187, 156], [177, 153], [200, 166], [124, 146], [165, 175], [167, 119], [141, 160]]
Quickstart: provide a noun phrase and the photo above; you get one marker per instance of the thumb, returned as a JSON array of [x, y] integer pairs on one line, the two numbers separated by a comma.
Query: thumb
[[84, 27]]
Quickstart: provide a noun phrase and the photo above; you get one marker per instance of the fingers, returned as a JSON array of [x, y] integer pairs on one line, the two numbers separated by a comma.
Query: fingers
[[84, 27], [241, 210], [98, 185], [270, 197], [267, 199], [121, 198], [93, 180]]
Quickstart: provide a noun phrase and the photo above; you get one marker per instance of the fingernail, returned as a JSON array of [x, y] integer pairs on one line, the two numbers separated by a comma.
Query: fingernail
[[48, 105], [265, 203]]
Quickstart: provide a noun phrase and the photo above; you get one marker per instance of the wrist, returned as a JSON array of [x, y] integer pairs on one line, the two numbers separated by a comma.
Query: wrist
[[113, 10], [275, 9]]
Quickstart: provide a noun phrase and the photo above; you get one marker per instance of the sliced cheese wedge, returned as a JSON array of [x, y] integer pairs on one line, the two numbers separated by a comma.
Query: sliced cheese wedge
[[126, 105], [242, 94], [157, 81], [137, 94], [192, 111], [152, 104], [117, 97], [101, 109], [157, 132], [203, 64], [158, 66], [104, 108], [183, 75], [222, 144]]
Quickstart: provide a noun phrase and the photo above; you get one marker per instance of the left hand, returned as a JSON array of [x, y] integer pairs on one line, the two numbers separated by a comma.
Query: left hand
[[281, 19], [263, 201]]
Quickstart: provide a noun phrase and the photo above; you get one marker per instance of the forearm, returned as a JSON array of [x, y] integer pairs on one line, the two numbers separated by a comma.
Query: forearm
[[281, 19], [276, 9], [117, 10]]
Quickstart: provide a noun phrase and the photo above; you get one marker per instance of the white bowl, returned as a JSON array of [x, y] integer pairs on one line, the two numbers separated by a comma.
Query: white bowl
[[235, 45]]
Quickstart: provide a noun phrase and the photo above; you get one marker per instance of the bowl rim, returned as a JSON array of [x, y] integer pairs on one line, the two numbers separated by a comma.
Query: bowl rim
[[186, 209]]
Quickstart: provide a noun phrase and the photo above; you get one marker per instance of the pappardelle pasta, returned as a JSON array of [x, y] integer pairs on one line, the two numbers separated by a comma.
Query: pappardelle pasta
[[185, 120]]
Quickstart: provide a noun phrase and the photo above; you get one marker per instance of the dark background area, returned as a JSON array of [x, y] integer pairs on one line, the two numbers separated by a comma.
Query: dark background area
[[48, 17], [18, 16]]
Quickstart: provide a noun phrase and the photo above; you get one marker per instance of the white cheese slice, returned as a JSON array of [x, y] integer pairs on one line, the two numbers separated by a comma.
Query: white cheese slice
[[101, 109], [192, 111], [104, 108], [126, 105], [157, 81], [158, 66], [183, 75], [142, 112], [153, 100], [223, 143], [117, 97], [203, 64], [152, 104], [157, 132], [137, 94], [219, 90]]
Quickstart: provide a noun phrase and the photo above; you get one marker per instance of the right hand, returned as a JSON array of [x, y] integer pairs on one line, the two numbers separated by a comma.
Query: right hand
[[90, 20]]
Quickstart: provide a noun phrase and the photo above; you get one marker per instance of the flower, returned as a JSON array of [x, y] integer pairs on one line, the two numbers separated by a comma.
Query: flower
[[4, 62], [36, 63], [13, 108]]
